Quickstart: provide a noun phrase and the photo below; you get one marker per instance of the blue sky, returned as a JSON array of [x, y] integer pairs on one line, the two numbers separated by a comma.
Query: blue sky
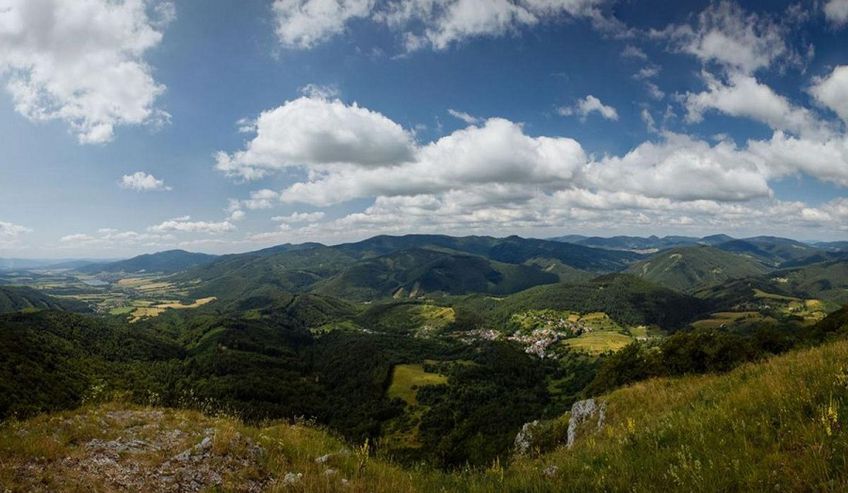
[[222, 126]]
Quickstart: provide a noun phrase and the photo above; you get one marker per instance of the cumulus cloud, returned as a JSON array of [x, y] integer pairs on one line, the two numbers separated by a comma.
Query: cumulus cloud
[[590, 104], [83, 62], [10, 233], [681, 168], [460, 212], [832, 91], [259, 199], [114, 238], [305, 23], [493, 175], [186, 225], [299, 217], [743, 96], [727, 35], [836, 12], [498, 152], [318, 132], [451, 21], [825, 159], [143, 182], [426, 23]]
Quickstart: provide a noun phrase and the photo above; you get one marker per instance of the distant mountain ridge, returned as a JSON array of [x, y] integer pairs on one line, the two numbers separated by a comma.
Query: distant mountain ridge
[[642, 243], [8, 264], [406, 265], [167, 262]]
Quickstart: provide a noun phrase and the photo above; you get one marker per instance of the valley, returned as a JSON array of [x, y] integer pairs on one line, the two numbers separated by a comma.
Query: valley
[[432, 349]]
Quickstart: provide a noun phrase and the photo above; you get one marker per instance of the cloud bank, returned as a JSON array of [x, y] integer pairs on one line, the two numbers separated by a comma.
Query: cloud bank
[[83, 62]]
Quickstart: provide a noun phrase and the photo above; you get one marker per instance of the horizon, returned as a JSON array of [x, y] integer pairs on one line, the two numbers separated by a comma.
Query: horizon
[[236, 127], [551, 238]]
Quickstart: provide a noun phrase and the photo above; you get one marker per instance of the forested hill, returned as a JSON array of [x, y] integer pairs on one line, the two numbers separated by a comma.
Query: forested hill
[[17, 298]]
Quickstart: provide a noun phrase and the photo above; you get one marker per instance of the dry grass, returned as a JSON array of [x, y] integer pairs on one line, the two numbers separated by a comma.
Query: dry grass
[[778, 425]]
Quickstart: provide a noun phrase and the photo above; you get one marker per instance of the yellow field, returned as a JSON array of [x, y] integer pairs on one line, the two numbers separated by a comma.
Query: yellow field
[[732, 319], [407, 379], [142, 312], [599, 341], [771, 296]]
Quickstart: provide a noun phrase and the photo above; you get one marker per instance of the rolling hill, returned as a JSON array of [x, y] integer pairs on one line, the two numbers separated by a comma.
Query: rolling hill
[[825, 280], [167, 262], [690, 268], [770, 250], [380, 266], [415, 272], [625, 298]]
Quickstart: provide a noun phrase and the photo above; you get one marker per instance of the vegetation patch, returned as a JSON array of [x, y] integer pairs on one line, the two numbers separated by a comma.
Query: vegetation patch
[[598, 342], [408, 378]]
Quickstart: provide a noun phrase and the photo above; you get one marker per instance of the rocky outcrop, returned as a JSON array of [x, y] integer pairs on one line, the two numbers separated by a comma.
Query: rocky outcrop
[[524, 440], [581, 412]]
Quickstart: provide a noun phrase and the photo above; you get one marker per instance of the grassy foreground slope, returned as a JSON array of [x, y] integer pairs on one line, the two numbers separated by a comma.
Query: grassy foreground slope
[[775, 425]]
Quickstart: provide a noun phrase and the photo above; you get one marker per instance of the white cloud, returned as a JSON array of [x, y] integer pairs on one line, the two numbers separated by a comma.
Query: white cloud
[[306, 23], [319, 91], [10, 233], [260, 199], [825, 159], [461, 212], [589, 104], [426, 23], [648, 120], [299, 217], [836, 12], [654, 90], [727, 35], [82, 62], [648, 72], [832, 91], [681, 168], [492, 176], [744, 96], [143, 182], [114, 238], [465, 117], [499, 152], [446, 22], [631, 51], [317, 132], [185, 225]]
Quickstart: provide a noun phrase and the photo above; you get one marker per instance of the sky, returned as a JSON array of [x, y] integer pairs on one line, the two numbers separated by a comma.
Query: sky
[[133, 126]]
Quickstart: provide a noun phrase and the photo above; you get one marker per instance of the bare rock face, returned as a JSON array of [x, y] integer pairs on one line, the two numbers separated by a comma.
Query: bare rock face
[[582, 411], [524, 438]]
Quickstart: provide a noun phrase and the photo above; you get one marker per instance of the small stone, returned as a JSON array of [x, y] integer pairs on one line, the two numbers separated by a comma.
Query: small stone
[[550, 471], [323, 459], [205, 444], [292, 478]]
